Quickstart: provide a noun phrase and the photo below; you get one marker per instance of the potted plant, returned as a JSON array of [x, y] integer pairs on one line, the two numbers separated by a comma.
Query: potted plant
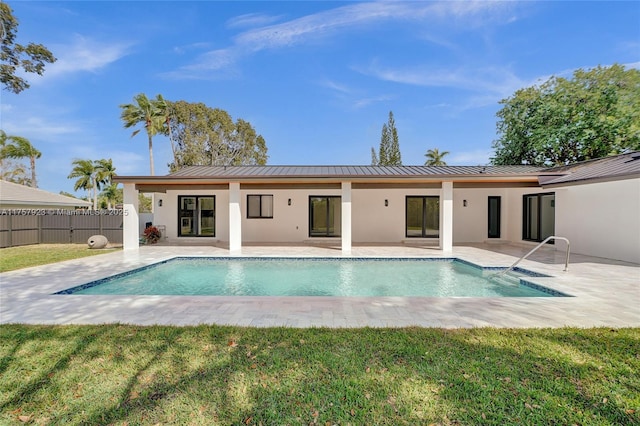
[[151, 235]]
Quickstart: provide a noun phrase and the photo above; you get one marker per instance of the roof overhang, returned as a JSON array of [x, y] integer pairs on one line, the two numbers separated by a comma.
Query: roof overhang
[[164, 183]]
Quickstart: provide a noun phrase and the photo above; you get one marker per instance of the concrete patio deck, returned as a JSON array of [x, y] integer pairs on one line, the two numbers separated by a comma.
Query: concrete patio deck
[[606, 293]]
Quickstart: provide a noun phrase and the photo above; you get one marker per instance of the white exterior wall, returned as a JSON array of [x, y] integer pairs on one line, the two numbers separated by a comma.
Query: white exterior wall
[[290, 223], [371, 220], [470, 223], [167, 215], [601, 219]]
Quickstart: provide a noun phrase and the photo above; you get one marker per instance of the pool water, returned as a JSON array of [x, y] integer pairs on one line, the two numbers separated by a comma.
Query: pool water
[[312, 277]]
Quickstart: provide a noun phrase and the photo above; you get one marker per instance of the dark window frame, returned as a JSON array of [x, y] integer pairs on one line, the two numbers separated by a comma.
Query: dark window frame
[[328, 213], [423, 231], [197, 198], [526, 228], [260, 203], [498, 214]]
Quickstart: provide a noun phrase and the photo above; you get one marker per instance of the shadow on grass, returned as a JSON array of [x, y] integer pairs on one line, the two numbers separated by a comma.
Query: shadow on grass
[[232, 375]]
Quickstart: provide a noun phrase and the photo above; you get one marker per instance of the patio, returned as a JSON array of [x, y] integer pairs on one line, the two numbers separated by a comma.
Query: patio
[[606, 293]]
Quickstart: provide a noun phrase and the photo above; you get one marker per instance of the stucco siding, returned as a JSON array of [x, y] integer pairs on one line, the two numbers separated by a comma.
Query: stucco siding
[[372, 220], [601, 219]]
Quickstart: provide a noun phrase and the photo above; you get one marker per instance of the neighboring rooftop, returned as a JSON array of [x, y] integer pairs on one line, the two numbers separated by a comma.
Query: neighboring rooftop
[[13, 194]]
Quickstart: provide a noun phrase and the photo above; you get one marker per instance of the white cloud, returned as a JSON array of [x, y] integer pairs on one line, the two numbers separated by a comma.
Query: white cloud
[[470, 158], [193, 46], [38, 128], [128, 162], [83, 55], [495, 80], [361, 103], [352, 97], [251, 20], [354, 16], [335, 86]]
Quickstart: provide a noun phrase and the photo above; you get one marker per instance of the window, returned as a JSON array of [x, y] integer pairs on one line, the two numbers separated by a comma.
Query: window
[[324, 216], [260, 206], [538, 221], [423, 217], [494, 217], [196, 216]]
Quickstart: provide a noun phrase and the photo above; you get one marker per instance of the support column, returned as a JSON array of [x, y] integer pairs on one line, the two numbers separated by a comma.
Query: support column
[[130, 223], [446, 233], [235, 218], [346, 218]]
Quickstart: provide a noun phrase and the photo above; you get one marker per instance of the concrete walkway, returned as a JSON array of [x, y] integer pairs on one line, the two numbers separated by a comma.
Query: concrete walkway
[[606, 293]]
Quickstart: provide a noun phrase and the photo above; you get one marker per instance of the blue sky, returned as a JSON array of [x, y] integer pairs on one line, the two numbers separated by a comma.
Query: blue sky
[[316, 79]]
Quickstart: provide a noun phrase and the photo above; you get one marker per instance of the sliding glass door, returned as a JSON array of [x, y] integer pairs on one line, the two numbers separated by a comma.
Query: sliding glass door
[[423, 217], [196, 216], [325, 215], [538, 220]]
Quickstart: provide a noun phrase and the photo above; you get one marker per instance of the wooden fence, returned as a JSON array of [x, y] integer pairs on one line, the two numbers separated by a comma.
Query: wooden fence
[[24, 226]]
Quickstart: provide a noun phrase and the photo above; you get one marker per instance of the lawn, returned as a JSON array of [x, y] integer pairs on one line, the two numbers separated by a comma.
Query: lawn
[[209, 375], [12, 258]]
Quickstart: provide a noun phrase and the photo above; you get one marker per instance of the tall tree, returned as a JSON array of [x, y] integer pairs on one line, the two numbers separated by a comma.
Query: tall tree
[[19, 147], [209, 136], [389, 151], [374, 157], [104, 173], [89, 178], [164, 108], [394, 157], [594, 114], [110, 194], [435, 157], [15, 172], [14, 56], [150, 113]]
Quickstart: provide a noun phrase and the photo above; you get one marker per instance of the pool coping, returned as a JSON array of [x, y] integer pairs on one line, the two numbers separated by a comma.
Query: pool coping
[[605, 293]]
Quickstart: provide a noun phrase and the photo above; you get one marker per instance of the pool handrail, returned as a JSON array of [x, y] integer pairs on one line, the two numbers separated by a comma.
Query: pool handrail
[[553, 237]]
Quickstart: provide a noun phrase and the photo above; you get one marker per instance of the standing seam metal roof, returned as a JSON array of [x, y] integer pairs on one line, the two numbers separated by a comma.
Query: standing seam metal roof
[[601, 168], [350, 171]]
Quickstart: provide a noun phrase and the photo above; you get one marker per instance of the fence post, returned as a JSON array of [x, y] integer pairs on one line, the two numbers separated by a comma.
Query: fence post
[[70, 229], [39, 229], [10, 237]]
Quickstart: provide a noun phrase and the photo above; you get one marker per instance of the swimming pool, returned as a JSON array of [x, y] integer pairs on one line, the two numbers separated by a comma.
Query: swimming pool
[[363, 277]]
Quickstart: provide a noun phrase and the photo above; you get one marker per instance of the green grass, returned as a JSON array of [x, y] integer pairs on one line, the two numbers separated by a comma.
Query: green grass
[[12, 258], [210, 375]]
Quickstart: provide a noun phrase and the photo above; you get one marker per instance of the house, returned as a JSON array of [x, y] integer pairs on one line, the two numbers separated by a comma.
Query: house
[[595, 204], [15, 196]]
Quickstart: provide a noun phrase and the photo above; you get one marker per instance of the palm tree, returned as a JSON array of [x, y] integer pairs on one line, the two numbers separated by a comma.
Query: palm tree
[[149, 112], [164, 107], [85, 171], [19, 147], [435, 157], [104, 173], [15, 173], [110, 193]]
